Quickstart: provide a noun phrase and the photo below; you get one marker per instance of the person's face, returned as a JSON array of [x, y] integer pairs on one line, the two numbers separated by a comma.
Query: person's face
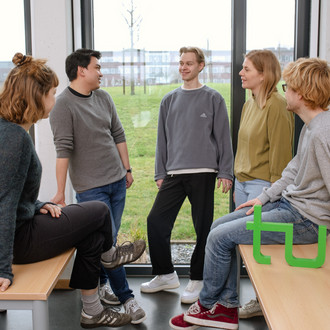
[[189, 68], [251, 77], [49, 101], [93, 74], [292, 100]]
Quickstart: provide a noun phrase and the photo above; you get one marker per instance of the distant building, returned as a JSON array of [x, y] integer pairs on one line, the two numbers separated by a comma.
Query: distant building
[[161, 67]]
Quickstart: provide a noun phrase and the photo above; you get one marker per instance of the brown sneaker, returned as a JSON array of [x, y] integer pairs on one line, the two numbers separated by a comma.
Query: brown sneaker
[[107, 318], [126, 253]]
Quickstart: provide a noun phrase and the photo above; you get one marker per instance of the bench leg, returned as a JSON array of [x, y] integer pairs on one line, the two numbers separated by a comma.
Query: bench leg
[[40, 315]]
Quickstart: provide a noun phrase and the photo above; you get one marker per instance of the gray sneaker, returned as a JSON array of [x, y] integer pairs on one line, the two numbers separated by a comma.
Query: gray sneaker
[[107, 296], [126, 253], [132, 308], [250, 309], [107, 318]]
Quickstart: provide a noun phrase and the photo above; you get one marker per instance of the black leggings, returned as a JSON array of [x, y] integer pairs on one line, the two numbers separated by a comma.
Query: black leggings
[[85, 226]]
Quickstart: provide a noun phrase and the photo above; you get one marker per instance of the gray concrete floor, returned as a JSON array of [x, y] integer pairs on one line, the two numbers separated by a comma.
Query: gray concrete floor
[[65, 308]]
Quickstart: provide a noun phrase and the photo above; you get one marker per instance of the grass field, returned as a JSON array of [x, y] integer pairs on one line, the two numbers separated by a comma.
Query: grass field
[[139, 115]]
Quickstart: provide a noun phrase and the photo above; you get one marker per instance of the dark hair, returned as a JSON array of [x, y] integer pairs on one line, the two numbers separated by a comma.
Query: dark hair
[[21, 99], [80, 57]]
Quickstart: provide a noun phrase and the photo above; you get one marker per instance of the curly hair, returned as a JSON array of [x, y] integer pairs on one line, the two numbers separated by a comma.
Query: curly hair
[[310, 77], [21, 98]]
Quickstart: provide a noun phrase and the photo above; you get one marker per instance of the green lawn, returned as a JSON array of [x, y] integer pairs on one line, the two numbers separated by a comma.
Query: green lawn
[[139, 116]]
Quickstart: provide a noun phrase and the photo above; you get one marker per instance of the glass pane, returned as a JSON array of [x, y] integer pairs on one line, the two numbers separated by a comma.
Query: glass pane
[[140, 65], [12, 36], [270, 25]]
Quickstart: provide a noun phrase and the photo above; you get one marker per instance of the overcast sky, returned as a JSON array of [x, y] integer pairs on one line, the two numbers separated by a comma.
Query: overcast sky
[[167, 25], [170, 24]]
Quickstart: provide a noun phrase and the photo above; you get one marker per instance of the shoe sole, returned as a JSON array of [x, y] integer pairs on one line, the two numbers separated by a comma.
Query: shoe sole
[[189, 301], [140, 320], [160, 288], [192, 327], [107, 265], [108, 302], [209, 323], [251, 315]]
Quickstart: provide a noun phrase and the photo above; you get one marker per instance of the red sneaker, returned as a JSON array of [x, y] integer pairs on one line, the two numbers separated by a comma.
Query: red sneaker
[[219, 317], [178, 323]]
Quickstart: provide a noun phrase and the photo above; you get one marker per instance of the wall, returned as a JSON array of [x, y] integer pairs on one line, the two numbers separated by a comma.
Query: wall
[[324, 40], [51, 39]]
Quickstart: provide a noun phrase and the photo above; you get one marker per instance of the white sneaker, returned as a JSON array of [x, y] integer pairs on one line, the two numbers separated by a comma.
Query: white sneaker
[[191, 292], [250, 309], [161, 282]]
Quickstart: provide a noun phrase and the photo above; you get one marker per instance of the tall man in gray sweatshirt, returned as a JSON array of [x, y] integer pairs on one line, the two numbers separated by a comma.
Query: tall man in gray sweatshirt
[[90, 142], [300, 197], [193, 150]]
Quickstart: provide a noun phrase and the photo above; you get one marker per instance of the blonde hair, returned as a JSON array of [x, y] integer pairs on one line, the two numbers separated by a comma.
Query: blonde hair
[[310, 77], [197, 51], [21, 99], [267, 64]]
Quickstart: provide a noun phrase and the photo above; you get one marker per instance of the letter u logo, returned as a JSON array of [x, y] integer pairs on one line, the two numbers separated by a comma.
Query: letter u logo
[[258, 226]]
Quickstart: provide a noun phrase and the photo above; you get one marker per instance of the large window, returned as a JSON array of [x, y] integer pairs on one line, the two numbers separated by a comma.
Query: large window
[[140, 42], [12, 34], [270, 24]]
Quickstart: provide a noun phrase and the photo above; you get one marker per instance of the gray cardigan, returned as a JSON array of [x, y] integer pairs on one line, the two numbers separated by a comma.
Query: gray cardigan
[[193, 133], [86, 130], [20, 175], [305, 182]]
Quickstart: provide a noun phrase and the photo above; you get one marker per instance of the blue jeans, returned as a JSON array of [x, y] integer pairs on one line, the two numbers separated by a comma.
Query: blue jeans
[[247, 190], [220, 265], [114, 195]]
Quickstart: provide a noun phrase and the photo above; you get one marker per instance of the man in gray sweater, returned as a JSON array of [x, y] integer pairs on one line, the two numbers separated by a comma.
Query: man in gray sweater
[[193, 150], [300, 197], [90, 142]]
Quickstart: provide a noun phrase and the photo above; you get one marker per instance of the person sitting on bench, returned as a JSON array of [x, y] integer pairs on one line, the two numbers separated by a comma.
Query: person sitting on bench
[[301, 196], [32, 231]]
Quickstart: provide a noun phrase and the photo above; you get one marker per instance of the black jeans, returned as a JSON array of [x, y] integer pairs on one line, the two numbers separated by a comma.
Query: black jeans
[[200, 191], [85, 226]]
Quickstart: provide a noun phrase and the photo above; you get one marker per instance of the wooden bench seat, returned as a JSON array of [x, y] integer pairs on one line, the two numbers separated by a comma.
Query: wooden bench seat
[[32, 285], [290, 297]]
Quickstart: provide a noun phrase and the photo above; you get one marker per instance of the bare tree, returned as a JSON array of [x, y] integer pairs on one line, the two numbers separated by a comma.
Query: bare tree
[[133, 21]]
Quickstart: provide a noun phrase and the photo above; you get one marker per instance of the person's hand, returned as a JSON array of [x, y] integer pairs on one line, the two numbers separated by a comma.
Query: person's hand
[[251, 202], [4, 284], [129, 179], [59, 199], [54, 210], [226, 184], [159, 183]]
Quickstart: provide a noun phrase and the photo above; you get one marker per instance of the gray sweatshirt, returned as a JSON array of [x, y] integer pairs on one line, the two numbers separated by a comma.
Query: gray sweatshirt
[[86, 130], [305, 182], [193, 133]]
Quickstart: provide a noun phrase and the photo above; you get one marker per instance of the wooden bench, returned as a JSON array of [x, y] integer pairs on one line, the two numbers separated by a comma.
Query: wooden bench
[[290, 297], [32, 285]]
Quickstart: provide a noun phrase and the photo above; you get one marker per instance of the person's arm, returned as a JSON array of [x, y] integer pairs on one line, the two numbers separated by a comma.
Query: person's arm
[[61, 172], [15, 155], [161, 145], [222, 136], [123, 152]]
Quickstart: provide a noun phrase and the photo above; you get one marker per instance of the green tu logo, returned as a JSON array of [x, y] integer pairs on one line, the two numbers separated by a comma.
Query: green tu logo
[[258, 226]]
